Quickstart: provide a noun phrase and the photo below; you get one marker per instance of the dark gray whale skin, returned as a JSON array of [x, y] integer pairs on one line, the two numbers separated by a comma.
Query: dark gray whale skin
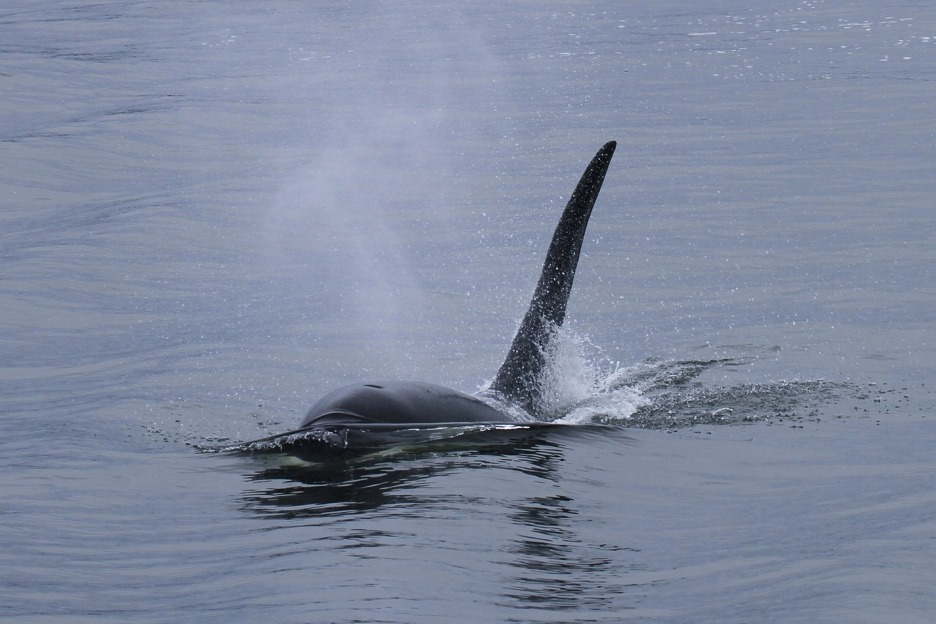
[[519, 378], [517, 381], [369, 418], [399, 402]]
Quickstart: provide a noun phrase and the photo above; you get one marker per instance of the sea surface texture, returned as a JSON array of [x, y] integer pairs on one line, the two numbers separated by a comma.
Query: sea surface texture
[[214, 212]]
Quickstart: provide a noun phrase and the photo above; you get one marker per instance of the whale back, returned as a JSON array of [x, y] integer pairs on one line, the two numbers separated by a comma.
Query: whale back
[[399, 402], [520, 378]]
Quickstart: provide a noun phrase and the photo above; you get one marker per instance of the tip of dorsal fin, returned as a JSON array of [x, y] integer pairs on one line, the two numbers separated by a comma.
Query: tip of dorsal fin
[[519, 377]]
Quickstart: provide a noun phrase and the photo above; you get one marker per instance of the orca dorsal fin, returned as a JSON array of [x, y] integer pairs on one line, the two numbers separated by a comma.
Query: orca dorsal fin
[[519, 378]]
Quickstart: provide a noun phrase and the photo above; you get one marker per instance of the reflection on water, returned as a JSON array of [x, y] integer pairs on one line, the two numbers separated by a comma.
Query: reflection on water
[[369, 483], [555, 567], [533, 544]]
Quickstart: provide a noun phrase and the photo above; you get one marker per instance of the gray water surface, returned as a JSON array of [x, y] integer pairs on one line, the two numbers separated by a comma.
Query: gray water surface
[[215, 212]]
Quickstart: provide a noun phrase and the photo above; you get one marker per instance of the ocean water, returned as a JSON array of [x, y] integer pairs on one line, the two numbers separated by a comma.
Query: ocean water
[[215, 212]]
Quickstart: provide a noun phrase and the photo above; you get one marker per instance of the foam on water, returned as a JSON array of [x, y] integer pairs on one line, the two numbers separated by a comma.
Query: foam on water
[[583, 386], [581, 383]]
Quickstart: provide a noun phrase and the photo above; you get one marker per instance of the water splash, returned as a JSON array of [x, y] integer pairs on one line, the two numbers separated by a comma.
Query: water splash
[[580, 382], [582, 386]]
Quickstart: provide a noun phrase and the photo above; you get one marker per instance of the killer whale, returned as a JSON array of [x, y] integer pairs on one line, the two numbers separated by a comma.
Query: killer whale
[[388, 406]]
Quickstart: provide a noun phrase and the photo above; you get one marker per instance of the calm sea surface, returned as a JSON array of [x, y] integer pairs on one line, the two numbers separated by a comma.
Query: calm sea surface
[[211, 213]]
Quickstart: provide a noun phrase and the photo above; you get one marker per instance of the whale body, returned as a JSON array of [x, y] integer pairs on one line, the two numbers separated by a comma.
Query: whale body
[[358, 418], [519, 379]]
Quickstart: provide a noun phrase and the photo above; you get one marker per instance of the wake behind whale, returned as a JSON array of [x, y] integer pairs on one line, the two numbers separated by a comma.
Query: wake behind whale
[[364, 417]]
